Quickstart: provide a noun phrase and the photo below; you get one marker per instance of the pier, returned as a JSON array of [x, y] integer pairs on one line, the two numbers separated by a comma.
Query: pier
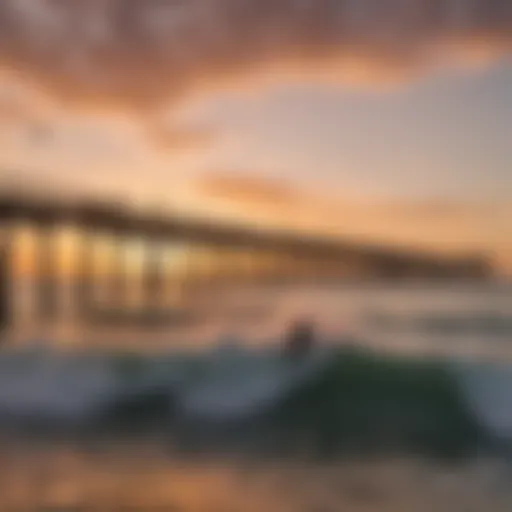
[[180, 257]]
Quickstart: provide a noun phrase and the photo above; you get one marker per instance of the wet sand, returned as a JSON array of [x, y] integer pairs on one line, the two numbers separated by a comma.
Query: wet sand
[[129, 477]]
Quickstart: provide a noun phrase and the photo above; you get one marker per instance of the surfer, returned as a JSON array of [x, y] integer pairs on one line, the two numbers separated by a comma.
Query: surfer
[[299, 340]]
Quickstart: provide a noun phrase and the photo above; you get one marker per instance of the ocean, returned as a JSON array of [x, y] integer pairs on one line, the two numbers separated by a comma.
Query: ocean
[[404, 404], [462, 319]]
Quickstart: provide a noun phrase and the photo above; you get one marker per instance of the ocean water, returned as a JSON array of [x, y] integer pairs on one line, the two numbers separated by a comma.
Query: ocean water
[[464, 319], [66, 389]]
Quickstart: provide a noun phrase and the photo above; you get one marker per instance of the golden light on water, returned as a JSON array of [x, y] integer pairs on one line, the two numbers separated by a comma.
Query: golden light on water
[[143, 478]]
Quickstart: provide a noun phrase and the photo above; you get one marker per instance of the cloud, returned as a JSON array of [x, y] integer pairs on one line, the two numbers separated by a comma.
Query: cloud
[[143, 57], [249, 192], [142, 54], [169, 137], [451, 225]]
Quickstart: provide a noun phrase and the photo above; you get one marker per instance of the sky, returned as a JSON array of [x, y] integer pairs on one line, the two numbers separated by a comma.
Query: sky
[[375, 120]]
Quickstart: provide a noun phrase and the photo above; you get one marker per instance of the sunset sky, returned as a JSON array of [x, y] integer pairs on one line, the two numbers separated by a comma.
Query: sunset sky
[[382, 120]]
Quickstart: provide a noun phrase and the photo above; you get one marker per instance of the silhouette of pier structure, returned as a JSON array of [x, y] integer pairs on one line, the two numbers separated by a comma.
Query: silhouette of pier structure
[[186, 254]]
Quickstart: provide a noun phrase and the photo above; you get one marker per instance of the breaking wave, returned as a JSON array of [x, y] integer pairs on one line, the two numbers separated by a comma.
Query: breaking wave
[[339, 401]]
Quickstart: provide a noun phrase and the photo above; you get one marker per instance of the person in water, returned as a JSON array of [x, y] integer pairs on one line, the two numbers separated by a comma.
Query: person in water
[[299, 340]]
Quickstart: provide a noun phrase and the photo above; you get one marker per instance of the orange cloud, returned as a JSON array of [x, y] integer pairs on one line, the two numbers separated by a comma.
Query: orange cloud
[[139, 57], [168, 137], [444, 225], [141, 54], [248, 191]]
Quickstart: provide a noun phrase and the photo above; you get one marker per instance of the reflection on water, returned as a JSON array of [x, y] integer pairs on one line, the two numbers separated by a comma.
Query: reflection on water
[[461, 319], [145, 478]]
